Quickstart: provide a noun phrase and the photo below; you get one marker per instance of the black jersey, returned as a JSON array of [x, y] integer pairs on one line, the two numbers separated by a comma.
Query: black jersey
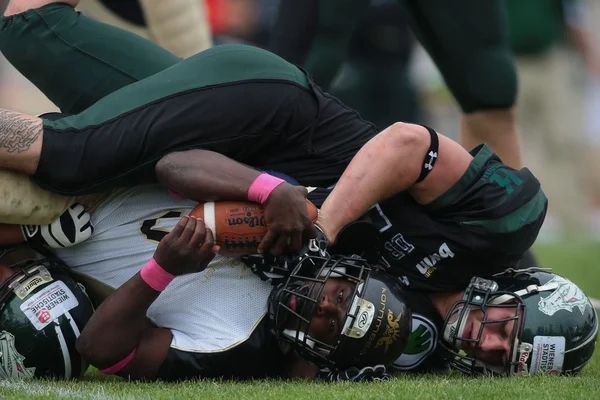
[[259, 356], [480, 226]]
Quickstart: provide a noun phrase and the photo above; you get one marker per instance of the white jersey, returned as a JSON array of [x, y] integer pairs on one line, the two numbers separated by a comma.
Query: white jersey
[[207, 312]]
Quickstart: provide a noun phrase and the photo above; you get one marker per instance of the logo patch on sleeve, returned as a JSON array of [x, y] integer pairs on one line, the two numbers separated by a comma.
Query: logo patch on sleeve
[[49, 304]]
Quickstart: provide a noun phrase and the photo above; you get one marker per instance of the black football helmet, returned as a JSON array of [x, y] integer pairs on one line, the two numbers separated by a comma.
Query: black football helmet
[[42, 311], [555, 325], [376, 323]]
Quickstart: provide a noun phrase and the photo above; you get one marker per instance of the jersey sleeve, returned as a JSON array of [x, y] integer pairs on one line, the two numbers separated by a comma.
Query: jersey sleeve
[[257, 357]]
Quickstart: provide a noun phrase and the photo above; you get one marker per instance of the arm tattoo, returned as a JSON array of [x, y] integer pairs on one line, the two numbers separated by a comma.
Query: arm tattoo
[[18, 131]]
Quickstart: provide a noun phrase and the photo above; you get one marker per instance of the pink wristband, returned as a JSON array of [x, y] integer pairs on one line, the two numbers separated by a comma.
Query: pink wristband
[[118, 366], [175, 194], [262, 187], [156, 277]]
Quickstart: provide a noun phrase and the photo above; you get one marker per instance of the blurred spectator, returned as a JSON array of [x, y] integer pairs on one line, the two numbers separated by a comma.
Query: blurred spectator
[[375, 76], [546, 37], [180, 26], [233, 20]]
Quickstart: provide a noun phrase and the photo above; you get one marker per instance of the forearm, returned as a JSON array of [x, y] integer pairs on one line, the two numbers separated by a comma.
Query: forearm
[[401, 158], [383, 167], [20, 141], [117, 325], [10, 234], [204, 175]]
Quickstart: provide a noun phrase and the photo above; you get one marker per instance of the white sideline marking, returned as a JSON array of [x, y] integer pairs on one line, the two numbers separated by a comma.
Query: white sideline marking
[[595, 303]]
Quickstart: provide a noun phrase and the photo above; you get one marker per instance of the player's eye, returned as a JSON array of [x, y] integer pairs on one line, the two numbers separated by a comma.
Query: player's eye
[[504, 329], [332, 325], [340, 297]]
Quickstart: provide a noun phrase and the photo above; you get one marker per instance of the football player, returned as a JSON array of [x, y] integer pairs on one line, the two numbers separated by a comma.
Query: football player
[[187, 314], [281, 121], [483, 329], [468, 41], [518, 322]]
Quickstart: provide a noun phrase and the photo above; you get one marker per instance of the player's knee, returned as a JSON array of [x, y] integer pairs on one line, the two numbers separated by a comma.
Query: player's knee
[[19, 6], [490, 81]]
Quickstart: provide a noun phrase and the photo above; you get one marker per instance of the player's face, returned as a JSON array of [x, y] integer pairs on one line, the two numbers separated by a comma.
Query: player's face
[[495, 329], [328, 310]]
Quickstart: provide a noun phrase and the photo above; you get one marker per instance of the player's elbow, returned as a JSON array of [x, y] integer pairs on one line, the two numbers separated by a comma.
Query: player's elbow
[[89, 348], [85, 347], [166, 169], [408, 141], [401, 135]]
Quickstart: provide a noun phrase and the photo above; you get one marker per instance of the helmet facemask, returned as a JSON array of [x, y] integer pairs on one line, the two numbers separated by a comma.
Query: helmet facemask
[[462, 337], [294, 304]]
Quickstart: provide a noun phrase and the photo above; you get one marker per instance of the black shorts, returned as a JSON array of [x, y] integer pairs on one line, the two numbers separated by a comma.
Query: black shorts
[[240, 101]]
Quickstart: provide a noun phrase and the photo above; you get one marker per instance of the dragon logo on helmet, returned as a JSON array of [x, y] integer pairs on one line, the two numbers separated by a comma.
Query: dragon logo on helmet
[[11, 362], [566, 297]]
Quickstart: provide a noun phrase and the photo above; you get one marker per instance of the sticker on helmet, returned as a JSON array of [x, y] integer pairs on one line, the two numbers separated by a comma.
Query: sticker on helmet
[[547, 355], [392, 331], [421, 343], [49, 304], [11, 362], [565, 297]]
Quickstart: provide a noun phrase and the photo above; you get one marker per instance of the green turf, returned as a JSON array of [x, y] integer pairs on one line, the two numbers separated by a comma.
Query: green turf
[[577, 261]]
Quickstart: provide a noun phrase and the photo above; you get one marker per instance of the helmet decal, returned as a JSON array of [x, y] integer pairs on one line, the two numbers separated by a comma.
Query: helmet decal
[[524, 352], [11, 362], [421, 343], [392, 331], [566, 297], [49, 304], [548, 354]]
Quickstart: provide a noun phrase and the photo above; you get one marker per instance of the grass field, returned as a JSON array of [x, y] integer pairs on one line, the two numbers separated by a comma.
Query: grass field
[[577, 261]]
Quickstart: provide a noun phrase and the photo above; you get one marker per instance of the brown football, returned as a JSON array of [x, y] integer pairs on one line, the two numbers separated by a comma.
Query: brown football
[[238, 226]]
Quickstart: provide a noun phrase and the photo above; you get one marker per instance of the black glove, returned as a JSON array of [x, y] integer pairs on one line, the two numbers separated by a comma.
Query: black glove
[[72, 227], [268, 267], [353, 374]]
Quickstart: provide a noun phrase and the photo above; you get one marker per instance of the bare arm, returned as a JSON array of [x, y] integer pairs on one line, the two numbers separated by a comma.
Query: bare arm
[[20, 141], [387, 164], [10, 234], [204, 175], [120, 325]]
